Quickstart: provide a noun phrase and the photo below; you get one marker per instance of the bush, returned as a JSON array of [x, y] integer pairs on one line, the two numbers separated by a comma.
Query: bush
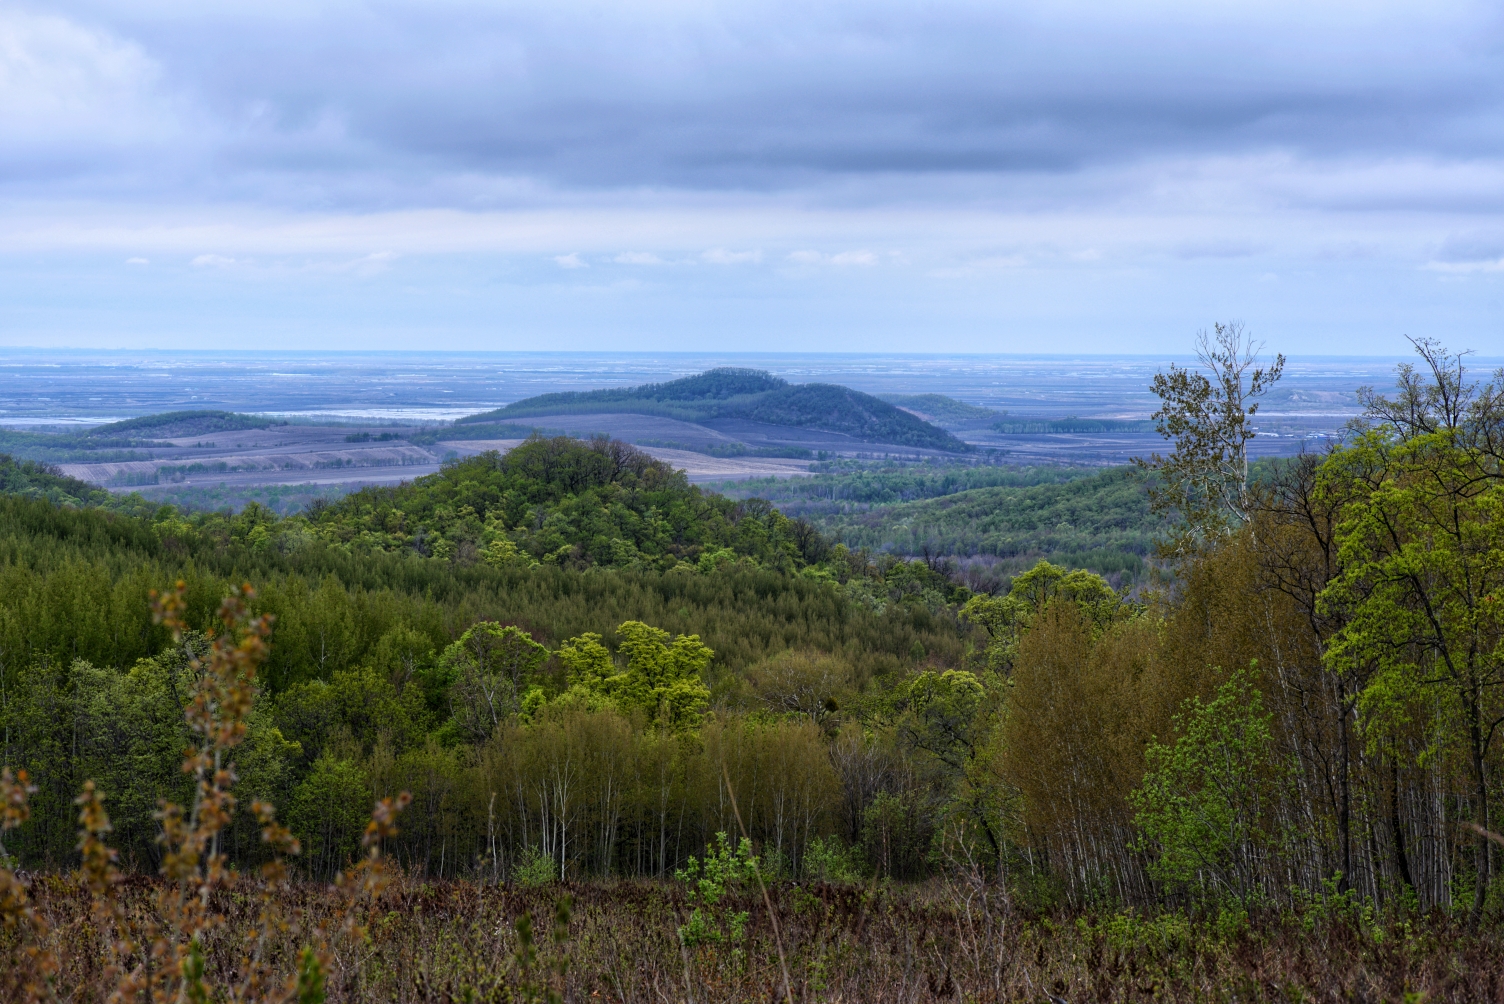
[[534, 868]]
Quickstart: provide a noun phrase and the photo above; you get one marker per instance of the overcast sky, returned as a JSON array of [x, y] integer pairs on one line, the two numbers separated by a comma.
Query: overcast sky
[[959, 176]]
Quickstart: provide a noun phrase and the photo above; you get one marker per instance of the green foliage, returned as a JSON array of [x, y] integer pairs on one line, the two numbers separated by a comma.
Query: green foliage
[[848, 487], [563, 502], [1420, 594], [721, 384], [183, 423], [1204, 482], [1099, 521], [1005, 618], [1206, 802], [840, 409], [329, 811], [534, 868], [725, 869], [32, 479], [663, 679], [828, 859], [486, 674], [310, 985], [284, 500]]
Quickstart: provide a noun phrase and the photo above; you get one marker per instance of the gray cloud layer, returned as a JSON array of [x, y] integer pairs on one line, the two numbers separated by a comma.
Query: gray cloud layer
[[375, 105]]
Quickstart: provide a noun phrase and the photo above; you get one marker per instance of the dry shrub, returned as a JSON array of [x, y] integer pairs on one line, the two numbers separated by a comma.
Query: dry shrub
[[202, 931]]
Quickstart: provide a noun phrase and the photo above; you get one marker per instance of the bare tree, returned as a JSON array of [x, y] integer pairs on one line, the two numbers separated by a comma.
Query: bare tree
[[1204, 482]]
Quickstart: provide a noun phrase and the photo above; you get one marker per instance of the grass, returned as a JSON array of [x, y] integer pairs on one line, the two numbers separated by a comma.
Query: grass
[[950, 941]]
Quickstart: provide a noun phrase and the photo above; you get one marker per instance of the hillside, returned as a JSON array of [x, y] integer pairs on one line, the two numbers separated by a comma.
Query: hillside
[[123, 441], [941, 410], [749, 395], [567, 502], [180, 423], [31, 479], [1099, 521]]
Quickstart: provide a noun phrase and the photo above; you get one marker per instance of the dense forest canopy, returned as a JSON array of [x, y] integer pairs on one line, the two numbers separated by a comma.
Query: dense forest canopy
[[567, 502], [1304, 706]]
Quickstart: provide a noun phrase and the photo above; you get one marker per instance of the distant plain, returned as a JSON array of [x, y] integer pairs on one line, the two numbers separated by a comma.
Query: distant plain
[[350, 416]]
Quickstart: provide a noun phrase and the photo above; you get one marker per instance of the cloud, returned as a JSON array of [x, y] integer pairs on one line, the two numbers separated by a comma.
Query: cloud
[[138, 261], [368, 264], [1018, 149], [77, 102], [470, 104], [720, 256], [1477, 246], [1217, 248], [842, 258]]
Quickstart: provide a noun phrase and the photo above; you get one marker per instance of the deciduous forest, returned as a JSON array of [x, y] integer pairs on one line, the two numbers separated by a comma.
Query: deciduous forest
[[629, 739]]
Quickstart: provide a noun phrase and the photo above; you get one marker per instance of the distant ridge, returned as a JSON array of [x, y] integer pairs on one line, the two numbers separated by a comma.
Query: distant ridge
[[746, 394], [941, 410], [182, 423]]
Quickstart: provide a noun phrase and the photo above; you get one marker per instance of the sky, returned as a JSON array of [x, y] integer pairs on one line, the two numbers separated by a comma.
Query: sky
[[941, 176]]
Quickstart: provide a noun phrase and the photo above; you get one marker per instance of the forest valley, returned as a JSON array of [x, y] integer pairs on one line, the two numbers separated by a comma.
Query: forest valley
[[627, 738]]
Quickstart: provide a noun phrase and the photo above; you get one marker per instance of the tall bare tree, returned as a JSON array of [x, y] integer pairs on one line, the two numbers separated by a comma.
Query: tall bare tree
[[1204, 481]]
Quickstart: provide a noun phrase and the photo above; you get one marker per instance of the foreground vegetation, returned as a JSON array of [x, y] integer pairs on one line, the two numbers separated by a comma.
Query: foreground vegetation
[[448, 940], [759, 760]]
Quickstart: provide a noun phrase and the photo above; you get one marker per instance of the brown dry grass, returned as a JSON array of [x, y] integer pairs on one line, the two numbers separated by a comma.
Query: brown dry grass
[[456, 941]]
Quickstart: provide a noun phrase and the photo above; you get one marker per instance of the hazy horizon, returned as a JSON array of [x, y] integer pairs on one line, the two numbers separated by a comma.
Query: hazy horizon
[[44, 386]]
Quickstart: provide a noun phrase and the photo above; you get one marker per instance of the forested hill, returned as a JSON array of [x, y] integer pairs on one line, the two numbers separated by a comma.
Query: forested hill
[[746, 394], [33, 479], [567, 502], [120, 440], [349, 587]]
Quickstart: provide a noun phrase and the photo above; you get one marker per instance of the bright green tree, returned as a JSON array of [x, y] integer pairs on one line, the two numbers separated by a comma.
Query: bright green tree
[[664, 677], [1422, 589], [1005, 618], [1206, 802]]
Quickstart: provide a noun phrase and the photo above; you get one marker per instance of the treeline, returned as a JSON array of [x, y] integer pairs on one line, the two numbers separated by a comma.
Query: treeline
[[847, 487], [366, 686]]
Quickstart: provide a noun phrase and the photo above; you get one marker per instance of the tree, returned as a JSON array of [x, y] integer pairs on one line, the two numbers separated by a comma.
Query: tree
[[1204, 482], [1298, 552], [948, 718], [489, 666], [1421, 543], [1005, 618], [1206, 801], [663, 679], [805, 684]]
